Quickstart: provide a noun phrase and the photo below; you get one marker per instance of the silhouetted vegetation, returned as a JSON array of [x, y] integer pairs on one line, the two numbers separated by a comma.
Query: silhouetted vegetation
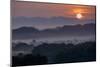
[[28, 59], [79, 53], [59, 53]]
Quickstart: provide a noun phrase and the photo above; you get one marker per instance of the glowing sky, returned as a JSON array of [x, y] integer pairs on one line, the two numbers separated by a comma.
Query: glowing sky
[[48, 10]]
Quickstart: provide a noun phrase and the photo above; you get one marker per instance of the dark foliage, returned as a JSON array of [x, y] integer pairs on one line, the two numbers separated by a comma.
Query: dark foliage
[[79, 53], [28, 59], [60, 53]]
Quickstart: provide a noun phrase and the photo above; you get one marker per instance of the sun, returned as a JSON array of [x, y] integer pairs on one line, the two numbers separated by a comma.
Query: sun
[[79, 16]]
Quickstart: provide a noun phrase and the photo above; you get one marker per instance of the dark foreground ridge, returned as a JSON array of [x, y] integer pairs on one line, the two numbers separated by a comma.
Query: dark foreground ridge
[[57, 53]]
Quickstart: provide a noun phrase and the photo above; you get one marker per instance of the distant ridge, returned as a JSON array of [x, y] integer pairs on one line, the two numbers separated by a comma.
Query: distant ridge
[[66, 30]]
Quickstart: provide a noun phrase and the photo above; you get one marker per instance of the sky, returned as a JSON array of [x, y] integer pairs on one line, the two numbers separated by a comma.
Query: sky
[[50, 15]]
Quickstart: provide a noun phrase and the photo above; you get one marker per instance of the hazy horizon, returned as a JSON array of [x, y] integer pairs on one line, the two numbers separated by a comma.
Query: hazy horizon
[[49, 15]]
